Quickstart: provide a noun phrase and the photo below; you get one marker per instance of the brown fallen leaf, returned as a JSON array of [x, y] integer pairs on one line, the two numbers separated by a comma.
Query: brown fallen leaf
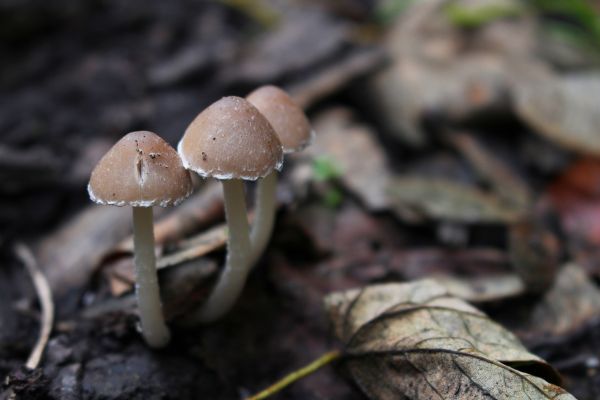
[[564, 110], [414, 340], [575, 195], [441, 70], [566, 308], [453, 201], [348, 144], [447, 373], [406, 92], [483, 289], [419, 263], [302, 39]]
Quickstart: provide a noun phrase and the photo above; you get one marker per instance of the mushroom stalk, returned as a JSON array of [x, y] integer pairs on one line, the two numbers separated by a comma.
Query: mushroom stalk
[[264, 216], [147, 291], [232, 278]]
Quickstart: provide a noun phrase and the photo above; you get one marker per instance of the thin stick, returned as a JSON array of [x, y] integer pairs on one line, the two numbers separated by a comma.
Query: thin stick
[[44, 294], [196, 247], [297, 375]]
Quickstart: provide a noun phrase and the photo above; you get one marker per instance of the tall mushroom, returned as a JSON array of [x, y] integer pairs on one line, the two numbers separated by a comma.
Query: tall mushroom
[[231, 141], [294, 131], [141, 170]]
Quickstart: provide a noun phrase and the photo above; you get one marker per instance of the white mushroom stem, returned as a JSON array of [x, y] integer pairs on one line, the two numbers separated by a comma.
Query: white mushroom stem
[[264, 216], [232, 278], [147, 291]]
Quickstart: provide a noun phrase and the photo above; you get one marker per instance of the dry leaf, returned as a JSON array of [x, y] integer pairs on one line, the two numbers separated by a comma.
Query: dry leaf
[[440, 69], [573, 301], [406, 92], [414, 340], [441, 199], [348, 144], [303, 39], [419, 263], [563, 109], [483, 289], [575, 196], [447, 374]]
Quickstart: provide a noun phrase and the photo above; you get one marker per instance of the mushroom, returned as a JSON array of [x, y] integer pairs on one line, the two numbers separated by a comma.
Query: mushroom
[[141, 170], [231, 141], [294, 131]]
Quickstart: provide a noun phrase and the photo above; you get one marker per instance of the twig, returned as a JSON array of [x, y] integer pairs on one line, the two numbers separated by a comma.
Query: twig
[[297, 375], [44, 294], [199, 210], [333, 77], [196, 247]]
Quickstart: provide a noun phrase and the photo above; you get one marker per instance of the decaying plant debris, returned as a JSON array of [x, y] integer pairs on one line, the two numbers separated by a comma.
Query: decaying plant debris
[[439, 239]]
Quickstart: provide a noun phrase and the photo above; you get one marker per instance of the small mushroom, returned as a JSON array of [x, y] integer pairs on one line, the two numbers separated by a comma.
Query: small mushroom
[[231, 141], [294, 131], [141, 170]]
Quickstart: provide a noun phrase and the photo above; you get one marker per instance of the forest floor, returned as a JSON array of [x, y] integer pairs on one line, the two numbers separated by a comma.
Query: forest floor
[[455, 176]]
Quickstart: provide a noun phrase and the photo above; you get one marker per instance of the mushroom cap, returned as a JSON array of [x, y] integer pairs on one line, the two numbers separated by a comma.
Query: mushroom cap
[[140, 170], [286, 117], [231, 139]]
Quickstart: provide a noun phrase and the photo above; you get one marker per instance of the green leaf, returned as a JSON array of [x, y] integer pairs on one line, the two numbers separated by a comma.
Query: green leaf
[[325, 169], [333, 198], [473, 17]]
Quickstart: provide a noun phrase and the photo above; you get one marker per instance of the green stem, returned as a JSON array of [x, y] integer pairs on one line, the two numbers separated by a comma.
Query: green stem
[[297, 375]]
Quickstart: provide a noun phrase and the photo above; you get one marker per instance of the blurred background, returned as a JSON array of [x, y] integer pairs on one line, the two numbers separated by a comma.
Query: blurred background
[[453, 136], [78, 75]]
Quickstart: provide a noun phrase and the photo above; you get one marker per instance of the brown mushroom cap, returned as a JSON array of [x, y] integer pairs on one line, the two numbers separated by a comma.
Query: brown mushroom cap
[[286, 117], [140, 170], [231, 139]]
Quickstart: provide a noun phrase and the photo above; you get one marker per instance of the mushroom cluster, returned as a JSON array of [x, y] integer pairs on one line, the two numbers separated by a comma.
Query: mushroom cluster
[[233, 140]]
